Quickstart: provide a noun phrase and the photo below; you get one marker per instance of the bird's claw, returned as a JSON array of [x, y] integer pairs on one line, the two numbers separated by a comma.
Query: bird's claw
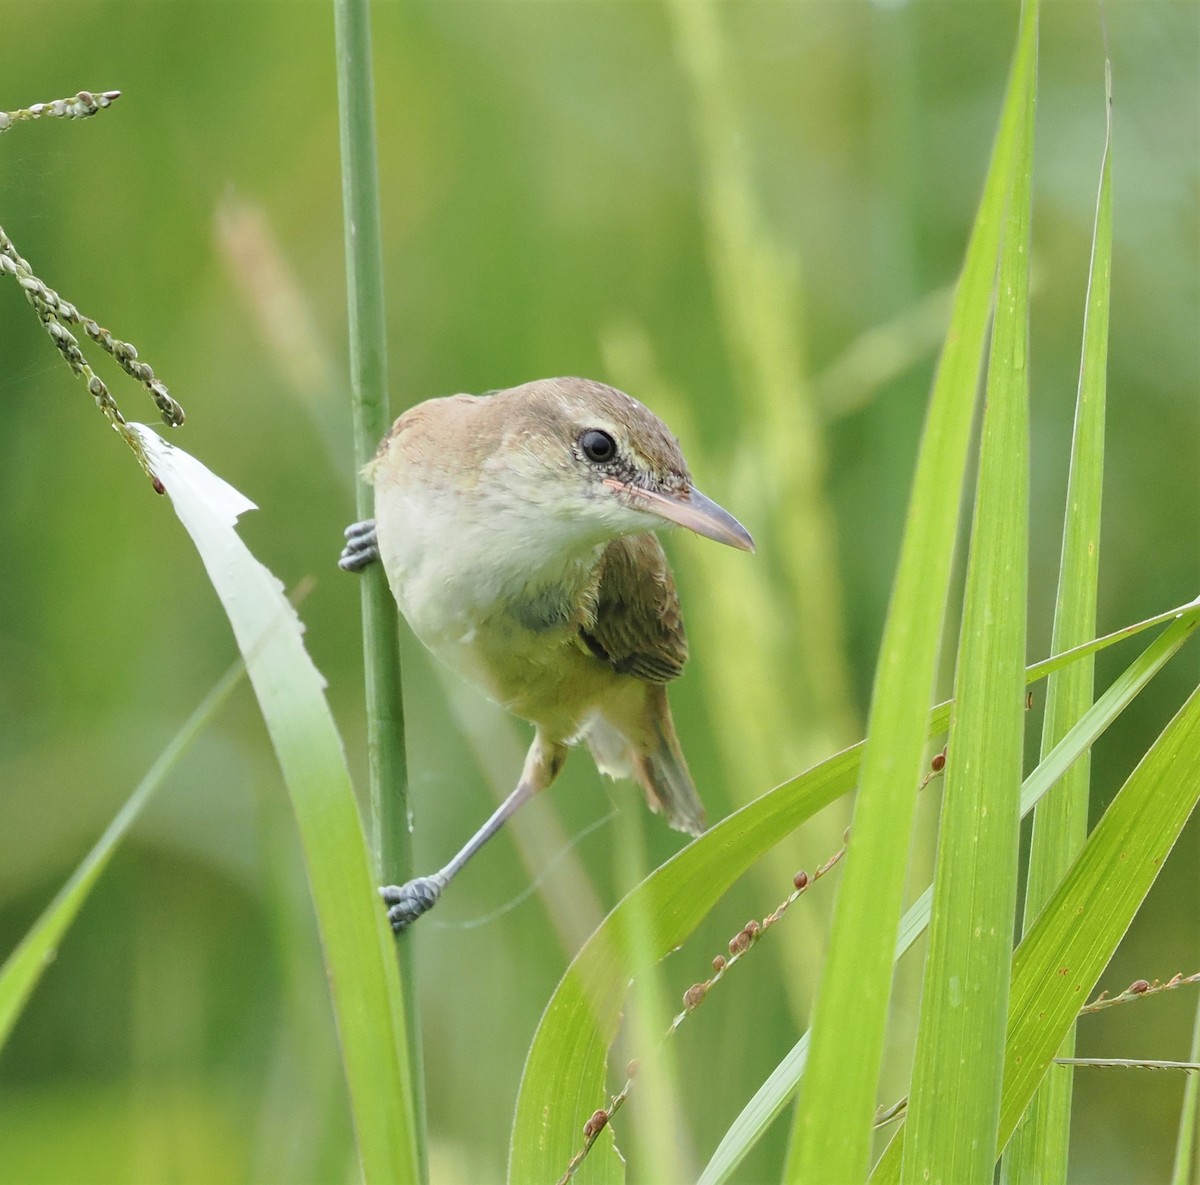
[[409, 901], [362, 547]]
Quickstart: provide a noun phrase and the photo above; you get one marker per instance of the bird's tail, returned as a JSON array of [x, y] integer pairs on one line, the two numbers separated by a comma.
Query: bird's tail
[[654, 759]]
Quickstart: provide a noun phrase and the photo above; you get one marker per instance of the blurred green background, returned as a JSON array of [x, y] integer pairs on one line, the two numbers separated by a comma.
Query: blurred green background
[[750, 224]]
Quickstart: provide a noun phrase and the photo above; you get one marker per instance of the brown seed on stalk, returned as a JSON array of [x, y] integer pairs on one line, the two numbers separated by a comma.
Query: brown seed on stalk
[[939, 762], [1138, 987], [693, 997], [596, 1124], [719, 963], [800, 880], [744, 937], [159, 488]]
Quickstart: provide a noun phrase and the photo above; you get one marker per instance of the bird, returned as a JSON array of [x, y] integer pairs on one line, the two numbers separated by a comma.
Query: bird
[[517, 532]]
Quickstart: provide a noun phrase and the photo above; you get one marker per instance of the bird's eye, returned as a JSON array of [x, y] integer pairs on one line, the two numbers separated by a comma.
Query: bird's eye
[[598, 446]]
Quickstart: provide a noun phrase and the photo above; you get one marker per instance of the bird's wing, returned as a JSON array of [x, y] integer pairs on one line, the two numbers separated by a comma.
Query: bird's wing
[[637, 626]]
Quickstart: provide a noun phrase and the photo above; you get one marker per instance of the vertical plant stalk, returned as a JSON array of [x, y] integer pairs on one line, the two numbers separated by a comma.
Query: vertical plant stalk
[[369, 401]]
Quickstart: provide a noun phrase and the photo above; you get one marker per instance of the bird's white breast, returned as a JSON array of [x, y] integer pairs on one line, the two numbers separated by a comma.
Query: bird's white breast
[[485, 587]]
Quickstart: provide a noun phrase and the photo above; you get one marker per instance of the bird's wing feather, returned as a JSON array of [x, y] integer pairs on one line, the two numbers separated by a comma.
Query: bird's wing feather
[[637, 626]]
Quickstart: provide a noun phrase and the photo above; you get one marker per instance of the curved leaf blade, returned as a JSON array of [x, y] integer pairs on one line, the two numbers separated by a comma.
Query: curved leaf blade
[[783, 1081], [1060, 960], [563, 1082], [832, 1132], [358, 945]]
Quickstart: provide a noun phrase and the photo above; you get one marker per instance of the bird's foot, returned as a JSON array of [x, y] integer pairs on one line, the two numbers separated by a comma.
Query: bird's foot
[[362, 547], [409, 901]]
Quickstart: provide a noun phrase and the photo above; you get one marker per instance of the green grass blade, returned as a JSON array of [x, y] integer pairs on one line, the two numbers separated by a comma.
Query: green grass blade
[[1060, 960], [1038, 1151], [1186, 1171], [954, 1102], [563, 1082], [564, 1079], [23, 968], [832, 1133], [357, 942], [782, 1083], [1185, 613]]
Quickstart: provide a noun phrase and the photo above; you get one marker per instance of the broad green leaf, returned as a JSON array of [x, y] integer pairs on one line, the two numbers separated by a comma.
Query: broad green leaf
[[954, 1102], [782, 1083], [358, 946], [563, 1082], [832, 1133], [1057, 965], [1059, 961], [23, 968], [1038, 1151]]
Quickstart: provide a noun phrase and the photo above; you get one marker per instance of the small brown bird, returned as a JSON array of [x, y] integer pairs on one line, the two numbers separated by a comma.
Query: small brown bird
[[516, 529]]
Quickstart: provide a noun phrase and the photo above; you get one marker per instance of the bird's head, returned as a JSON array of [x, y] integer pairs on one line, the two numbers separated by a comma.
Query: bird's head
[[588, 453]]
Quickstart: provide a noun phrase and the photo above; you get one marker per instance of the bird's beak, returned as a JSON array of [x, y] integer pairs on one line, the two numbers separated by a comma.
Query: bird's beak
[[690, 509]]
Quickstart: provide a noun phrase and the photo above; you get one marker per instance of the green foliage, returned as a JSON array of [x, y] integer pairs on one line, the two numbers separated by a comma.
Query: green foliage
[[1061, 958], [386, 750], [746, 210], [1039, 1149], [1185, 1144], [357, 941], [833, 1120], [954, 1099], [781, 1085], [563, 1082]]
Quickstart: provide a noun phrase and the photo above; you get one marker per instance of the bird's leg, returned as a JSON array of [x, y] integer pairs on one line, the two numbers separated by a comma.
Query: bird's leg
[[362, 547], [409, 901]]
